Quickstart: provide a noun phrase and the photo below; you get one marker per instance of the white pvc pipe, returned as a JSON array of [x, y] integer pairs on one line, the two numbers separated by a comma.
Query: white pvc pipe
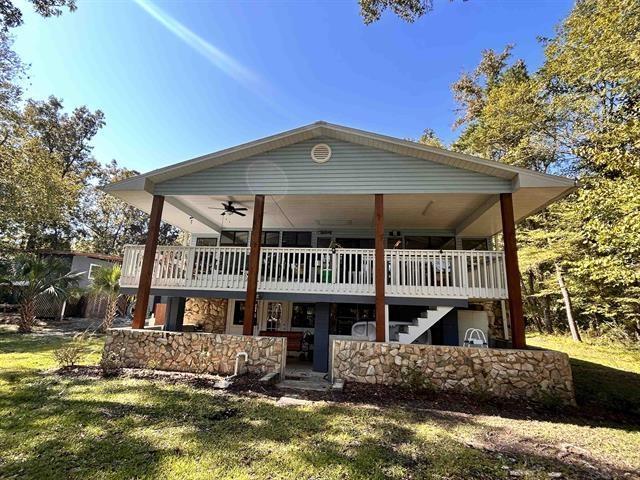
[[238, 355]]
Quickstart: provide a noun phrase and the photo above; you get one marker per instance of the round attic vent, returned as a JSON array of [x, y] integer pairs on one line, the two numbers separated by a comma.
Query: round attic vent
[[321, 153]]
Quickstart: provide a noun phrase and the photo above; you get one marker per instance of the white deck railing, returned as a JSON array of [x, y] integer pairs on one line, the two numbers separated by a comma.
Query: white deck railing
[[410, 273]]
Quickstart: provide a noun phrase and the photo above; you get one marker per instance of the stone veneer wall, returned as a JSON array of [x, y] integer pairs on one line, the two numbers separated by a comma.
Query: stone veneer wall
[[208, 313], [494, 317], [531, 374], [193, 351]]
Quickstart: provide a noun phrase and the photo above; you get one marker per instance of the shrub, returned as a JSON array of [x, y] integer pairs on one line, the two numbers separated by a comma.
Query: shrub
[[416, 380], [70, 353], [109, 365]]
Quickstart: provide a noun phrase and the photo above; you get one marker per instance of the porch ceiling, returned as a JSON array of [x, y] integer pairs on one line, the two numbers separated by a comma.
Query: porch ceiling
[[466, 214]]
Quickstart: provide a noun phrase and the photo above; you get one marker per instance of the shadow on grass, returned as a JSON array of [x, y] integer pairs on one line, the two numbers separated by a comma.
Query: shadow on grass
[[609, 388], [87, 428]]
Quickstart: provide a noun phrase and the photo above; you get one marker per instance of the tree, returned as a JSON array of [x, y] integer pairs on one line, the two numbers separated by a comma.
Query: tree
[[46, 164], [66, 136], [429, 137], [408, 10], [578, 115], [106, 224], [11, 16], [30, 278], [106, 282]]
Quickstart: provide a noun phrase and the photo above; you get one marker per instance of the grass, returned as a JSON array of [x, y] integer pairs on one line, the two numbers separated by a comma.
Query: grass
[[64, 427], [604, 374]]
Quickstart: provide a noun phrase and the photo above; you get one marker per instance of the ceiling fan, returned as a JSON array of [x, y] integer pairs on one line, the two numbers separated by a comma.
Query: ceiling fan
[[228, 208]]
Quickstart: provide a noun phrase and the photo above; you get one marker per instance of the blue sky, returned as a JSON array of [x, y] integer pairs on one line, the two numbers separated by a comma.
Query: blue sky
[[180, 79]]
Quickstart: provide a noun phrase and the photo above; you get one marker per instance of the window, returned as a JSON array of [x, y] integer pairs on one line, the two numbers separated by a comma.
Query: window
[[475, 244], [234, 238], [238, 313], [356, 242], [207, 242], [274, 315], [429, 243], [303, 315], [270, 239], [93, 267], [296, 239]]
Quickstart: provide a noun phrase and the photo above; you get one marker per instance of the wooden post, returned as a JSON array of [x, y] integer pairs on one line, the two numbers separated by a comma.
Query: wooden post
[[254, 265], [513, 272], [148, 259], [380, 272]]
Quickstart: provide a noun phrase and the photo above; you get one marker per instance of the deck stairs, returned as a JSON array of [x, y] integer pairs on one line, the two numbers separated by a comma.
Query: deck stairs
[[421, 324]]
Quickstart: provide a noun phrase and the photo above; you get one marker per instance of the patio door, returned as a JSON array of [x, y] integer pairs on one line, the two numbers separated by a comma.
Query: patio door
[[235, 317]]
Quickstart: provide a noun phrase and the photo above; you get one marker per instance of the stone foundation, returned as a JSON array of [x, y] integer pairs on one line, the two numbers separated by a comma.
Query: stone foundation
[[210, 314], [193, 352], [530, 374]]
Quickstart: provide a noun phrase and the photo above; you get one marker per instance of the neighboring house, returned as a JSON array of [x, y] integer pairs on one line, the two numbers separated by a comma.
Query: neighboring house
[[84, 264], [340, 233]]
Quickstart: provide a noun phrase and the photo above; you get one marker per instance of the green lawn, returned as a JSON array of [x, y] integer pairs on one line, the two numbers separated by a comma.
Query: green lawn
[[604, 375], [65, 427]]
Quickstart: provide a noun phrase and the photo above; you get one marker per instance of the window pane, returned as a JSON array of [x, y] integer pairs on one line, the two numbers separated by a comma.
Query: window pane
[[303, 315], [227, 238], [304, 239], [474, 244], [242, 239], [324, 242], [443, 243], [416, 243], [270, 239], [206, 242], [238, 313], [296, 239]]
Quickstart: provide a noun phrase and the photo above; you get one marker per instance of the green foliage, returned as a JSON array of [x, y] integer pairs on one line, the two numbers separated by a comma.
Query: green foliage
[[106, 282], [69, 354], [579, 114], [416, 380], [11, 16], [408, 10], [48, 176], [32, 277]]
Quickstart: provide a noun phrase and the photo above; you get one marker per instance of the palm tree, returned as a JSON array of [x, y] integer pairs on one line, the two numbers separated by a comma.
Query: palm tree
[[31, 277], [106, 281]]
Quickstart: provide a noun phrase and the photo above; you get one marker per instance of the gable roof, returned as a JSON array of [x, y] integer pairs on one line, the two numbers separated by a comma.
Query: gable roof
[[523, 176], [183, 182]]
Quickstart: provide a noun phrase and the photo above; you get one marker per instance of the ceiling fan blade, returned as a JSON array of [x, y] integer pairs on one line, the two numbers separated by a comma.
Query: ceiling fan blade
[[240, 208], [216, 208], [241, 214]]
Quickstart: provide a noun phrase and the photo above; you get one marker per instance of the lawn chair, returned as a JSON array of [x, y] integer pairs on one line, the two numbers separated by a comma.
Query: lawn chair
[[474, 337]]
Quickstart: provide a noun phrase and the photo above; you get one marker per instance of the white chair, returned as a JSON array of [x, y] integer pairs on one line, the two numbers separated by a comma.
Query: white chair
[[474, 337], [364, 331]]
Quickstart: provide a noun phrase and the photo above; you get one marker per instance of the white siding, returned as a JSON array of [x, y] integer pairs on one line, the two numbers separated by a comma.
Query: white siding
[[351, 169]]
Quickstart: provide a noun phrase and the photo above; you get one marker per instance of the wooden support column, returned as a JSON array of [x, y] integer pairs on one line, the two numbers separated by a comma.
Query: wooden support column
[[513, 272], [254, 265], [148, 259], [380, 272]]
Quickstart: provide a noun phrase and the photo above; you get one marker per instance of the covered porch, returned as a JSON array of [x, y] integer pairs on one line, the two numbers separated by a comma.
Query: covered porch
[[366, 217]]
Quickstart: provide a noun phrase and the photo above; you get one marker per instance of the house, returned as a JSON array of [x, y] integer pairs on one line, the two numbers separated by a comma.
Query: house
[[85, 264], [341, 234]]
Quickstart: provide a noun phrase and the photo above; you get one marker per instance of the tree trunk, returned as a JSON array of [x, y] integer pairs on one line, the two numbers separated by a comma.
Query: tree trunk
[[575, 334], [109, 313], [27, 316], [533, 306], [548, 323]]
